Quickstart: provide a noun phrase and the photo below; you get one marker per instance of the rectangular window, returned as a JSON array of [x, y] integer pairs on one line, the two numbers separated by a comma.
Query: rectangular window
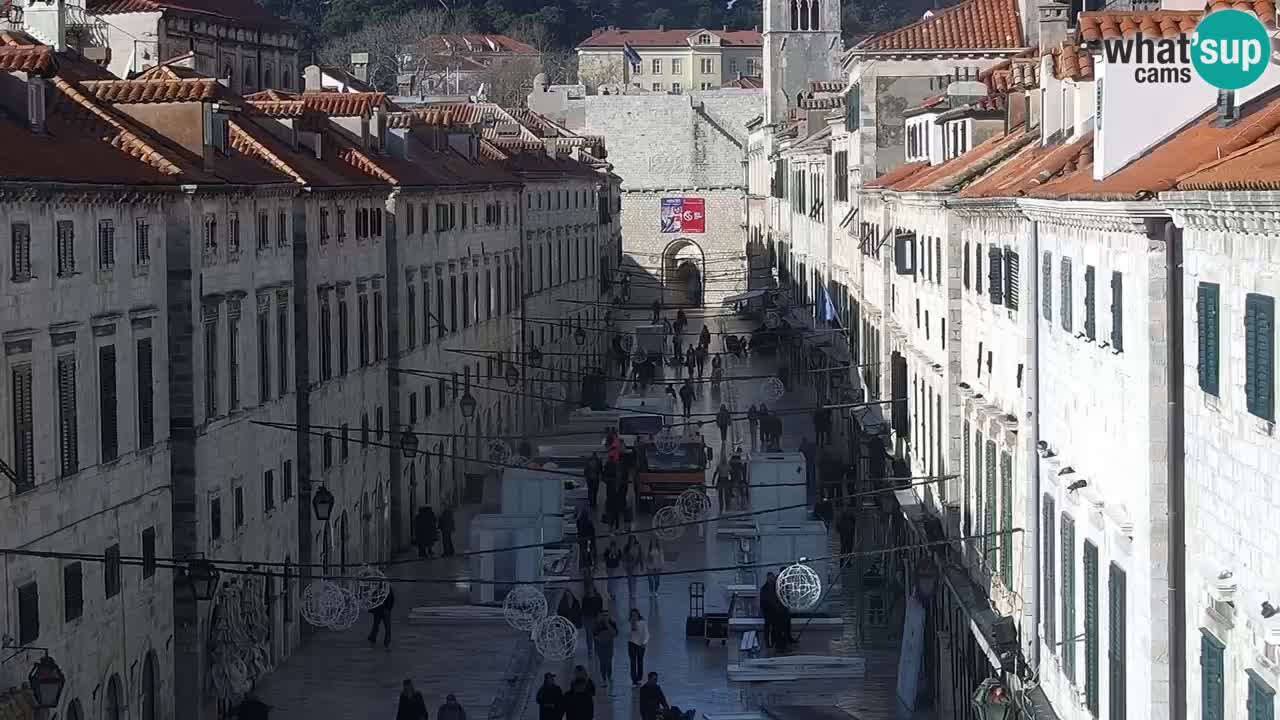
[[977, 268], [441, 329], [233, 232], [66, 231], [324, 226], [379, 328], [326, 337], [282, 229], [24, 460], [106, 244], [1069, 638], [264, 230], [282, 340], [20, 251], [72, 591], [108, 408], [1260, 355], [215, 518], [995, 275], [264, 353], [426, 309], [989, 543], [340, 224], [141, 242], [344, 331], [1116, 589], [209, 225], [286, 480], [1117, 311], [362, 323], [675, 86], [408, 219], [1212, 690], [210, 363], [148, 552], [1092, 692], [237, 506], [68, 419], [675, 66], [345, 447], [146, 394], [453, 303], [111, 571], [269, 490], [1011, 270], [28, 613], [657, 67], [1090, 299], [233, 354], [1067, 310], [411, 322], [1207, 336], [1049, 600], [364, 421], [1006, 519]]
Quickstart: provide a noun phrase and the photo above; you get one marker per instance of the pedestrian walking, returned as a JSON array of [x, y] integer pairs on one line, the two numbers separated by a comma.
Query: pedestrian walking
[[412, 706], [550, 699], [580, 674], [592, 607], [606, 630], [753, 423], [687, 396], [723, 420], [613, 567], [451, 710], [763, 416], [424, 531], [701, 360], [653, 564], [672, 399], [810, 453], [579, 702], [652, 700], [724, 488], [656, 309], [822, 425], [382, 616], [586, 539], [446, 523], [633, 562], [591, 475], [636, 643], [775, 433], [770, 608], [738, 476], [845, 528], [704, 338]]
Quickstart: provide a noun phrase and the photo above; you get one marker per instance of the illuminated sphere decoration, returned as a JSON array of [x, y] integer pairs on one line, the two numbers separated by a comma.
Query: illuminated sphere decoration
[[499, 451], [772, 389], [371, 587], [799, 587], [772, 320], [349, 611], [694, 504], [555, 638], [668, 523], [322, 601], [524, 607]]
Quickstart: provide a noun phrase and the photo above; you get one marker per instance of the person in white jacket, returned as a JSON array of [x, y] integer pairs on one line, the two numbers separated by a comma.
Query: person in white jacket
[[636, 644]]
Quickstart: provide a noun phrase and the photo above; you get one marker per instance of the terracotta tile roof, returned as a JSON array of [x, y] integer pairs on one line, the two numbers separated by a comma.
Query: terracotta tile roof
[[154, 91], [241, 12], [1264, 9], [280, 109], [336, 104], [615, 37], [897, 174], [116, 132], [1199, 145], [19, 52], [827, 86], [1032, 166], [1113, 24], [1256, 167], [968, 25], [171, 69], [745, 82], [1026, 73], [960, 171], [822, 103], [489, 151], [244, 141], [1071, 62]]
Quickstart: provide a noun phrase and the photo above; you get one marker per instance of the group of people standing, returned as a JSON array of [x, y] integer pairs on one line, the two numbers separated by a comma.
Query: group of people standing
[[578, 702], [428, 528], [414, 707], [765, 425], [592, 616]]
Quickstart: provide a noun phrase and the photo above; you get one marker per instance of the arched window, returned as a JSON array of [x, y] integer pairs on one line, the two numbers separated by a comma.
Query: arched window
[[74, 712], [795, 15], [804, 14], [814, 6], [286, 78], [248, 76], [115, 699], [149, 686], [266, 78], [228, 72]]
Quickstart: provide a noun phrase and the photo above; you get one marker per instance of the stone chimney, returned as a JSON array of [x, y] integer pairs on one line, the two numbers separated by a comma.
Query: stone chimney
[[1052, 24], [47, 22], [662, 28], [360, 66], [311, 78]]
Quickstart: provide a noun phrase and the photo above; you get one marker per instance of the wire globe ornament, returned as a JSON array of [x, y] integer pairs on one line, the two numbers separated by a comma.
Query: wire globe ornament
[[322, 602], [628, 342], [370, 588], [772, 320], [772, 389], [694, 504], [499, 451], [668, 523], [555, 638], [349, 611], [524, 607], [799, 587], [667, 442]]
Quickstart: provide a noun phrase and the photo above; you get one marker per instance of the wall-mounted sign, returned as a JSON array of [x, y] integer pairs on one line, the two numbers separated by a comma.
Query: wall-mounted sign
[[684, 215]]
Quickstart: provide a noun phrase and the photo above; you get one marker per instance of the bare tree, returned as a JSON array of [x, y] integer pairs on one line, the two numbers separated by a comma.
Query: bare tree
[[508, 82], [561, 66], [394, 45]]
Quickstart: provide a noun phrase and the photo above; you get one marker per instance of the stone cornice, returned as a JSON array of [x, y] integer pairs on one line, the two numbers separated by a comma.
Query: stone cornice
[[986, 207], [72, 195], [1244, 212], [1126, 217]]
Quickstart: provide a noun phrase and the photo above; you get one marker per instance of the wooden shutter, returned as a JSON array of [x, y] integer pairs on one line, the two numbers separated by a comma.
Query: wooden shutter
[[24, 463], [979, 524], [1006, 519], [977, 268], [937, 260], [1047, 592], [1011, 262], [68, 435], [72, 591], [1068, 598], [966, 266], [1116, 591], [904, 254], [28, 613], [1091, 690], [967, 480], [146, 394], [1261, 703], [1068, 312], [107, 405], [1259, 355], [1090, 299], [1207, 336], [995, 275], [1117, 311], [988, 542], [1211, 681], [1046, 290]]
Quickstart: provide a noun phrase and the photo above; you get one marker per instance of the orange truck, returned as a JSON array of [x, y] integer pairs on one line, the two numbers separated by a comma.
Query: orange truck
[[661, 477]]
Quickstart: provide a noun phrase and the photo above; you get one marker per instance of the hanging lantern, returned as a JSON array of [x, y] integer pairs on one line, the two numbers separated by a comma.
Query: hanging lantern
[[467, 405], [46, 681], [992, 701], [202, 576], [322, 503], [408, 443], [535, 357], [513, 376], [580, 336]]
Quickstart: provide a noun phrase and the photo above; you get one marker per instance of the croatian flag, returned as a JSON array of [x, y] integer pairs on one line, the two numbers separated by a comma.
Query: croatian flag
[[630, 54]]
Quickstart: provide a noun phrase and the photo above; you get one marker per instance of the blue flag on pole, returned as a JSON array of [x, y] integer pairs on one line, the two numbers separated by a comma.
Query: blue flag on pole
[[828, 308]]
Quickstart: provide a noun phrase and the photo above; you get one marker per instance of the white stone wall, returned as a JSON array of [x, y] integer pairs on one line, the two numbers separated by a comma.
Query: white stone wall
[[721, 245], [1231, 462], [107, 501]]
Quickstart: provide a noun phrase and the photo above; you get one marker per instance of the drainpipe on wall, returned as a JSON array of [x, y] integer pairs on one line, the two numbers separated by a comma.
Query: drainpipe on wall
[[524, 309], [1177, 480], [1031, 541]]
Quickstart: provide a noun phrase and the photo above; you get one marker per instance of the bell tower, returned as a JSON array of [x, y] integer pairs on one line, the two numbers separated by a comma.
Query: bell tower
[[801, 43]]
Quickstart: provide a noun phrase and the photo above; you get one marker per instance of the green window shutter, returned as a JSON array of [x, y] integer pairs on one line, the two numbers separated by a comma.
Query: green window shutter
[[852, 107], [1116, 687], [989, 543], [1067, 310], [1006, 519], [1046, 292], [1212, 699], [1117, 311], [1262, 699], [1069, 597], [977, 268], [968, 479], [979, 526], [1011, 270], [1090, 300], [995, 275], [1091, 690], [1207, 336], [1046, 593], [1260, 355]]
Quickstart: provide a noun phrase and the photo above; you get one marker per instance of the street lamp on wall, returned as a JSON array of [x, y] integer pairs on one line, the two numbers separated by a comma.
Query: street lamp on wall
[[408, 443], [47, 681], [467, 405], [580, 337], [202, 577], [513, 376], [992, 701], [535, 357], [322, 503]]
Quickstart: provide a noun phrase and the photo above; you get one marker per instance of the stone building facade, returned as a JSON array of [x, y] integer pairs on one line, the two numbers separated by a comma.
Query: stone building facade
[[670, 60]]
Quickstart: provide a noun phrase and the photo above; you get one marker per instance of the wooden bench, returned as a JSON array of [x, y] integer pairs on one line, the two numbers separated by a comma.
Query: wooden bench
[[750, 645]]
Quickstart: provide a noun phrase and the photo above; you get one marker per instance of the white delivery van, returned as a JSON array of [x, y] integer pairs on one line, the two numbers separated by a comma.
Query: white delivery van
[[777, 480]]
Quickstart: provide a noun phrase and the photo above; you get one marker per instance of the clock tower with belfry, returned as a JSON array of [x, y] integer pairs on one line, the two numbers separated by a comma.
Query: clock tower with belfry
[[801, 43]]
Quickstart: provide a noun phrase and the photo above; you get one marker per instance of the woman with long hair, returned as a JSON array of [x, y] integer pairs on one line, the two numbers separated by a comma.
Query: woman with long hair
[[653, 564], [636, 644]]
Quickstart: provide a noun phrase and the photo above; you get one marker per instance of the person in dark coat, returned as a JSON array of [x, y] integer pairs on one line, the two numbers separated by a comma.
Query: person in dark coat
[[446, 524], [579, 702], [822, 425], [770, 606], [382, 616], [424, 530], [691, 361], [550, 699], [586, 539], [652, 700], [656, 309], [723, 420], [591, 475], [810, 453], [412, 706], [592, 606], [451, 709], [701, 359], [580, 673], [687, 396], [753, 423], [763, 415], [846, 527], [704, 338]]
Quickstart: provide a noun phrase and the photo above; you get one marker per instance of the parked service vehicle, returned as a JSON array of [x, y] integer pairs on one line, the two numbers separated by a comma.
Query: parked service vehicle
[[662, 477]]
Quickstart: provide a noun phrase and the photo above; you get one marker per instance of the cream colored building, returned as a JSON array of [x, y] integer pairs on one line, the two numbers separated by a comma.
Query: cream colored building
[[670, 60]]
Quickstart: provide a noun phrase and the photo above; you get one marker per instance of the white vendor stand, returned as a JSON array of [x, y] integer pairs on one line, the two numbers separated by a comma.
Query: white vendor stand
[[514, 567], [782, 545], [533, 492], [778, 480], [795, 681]]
